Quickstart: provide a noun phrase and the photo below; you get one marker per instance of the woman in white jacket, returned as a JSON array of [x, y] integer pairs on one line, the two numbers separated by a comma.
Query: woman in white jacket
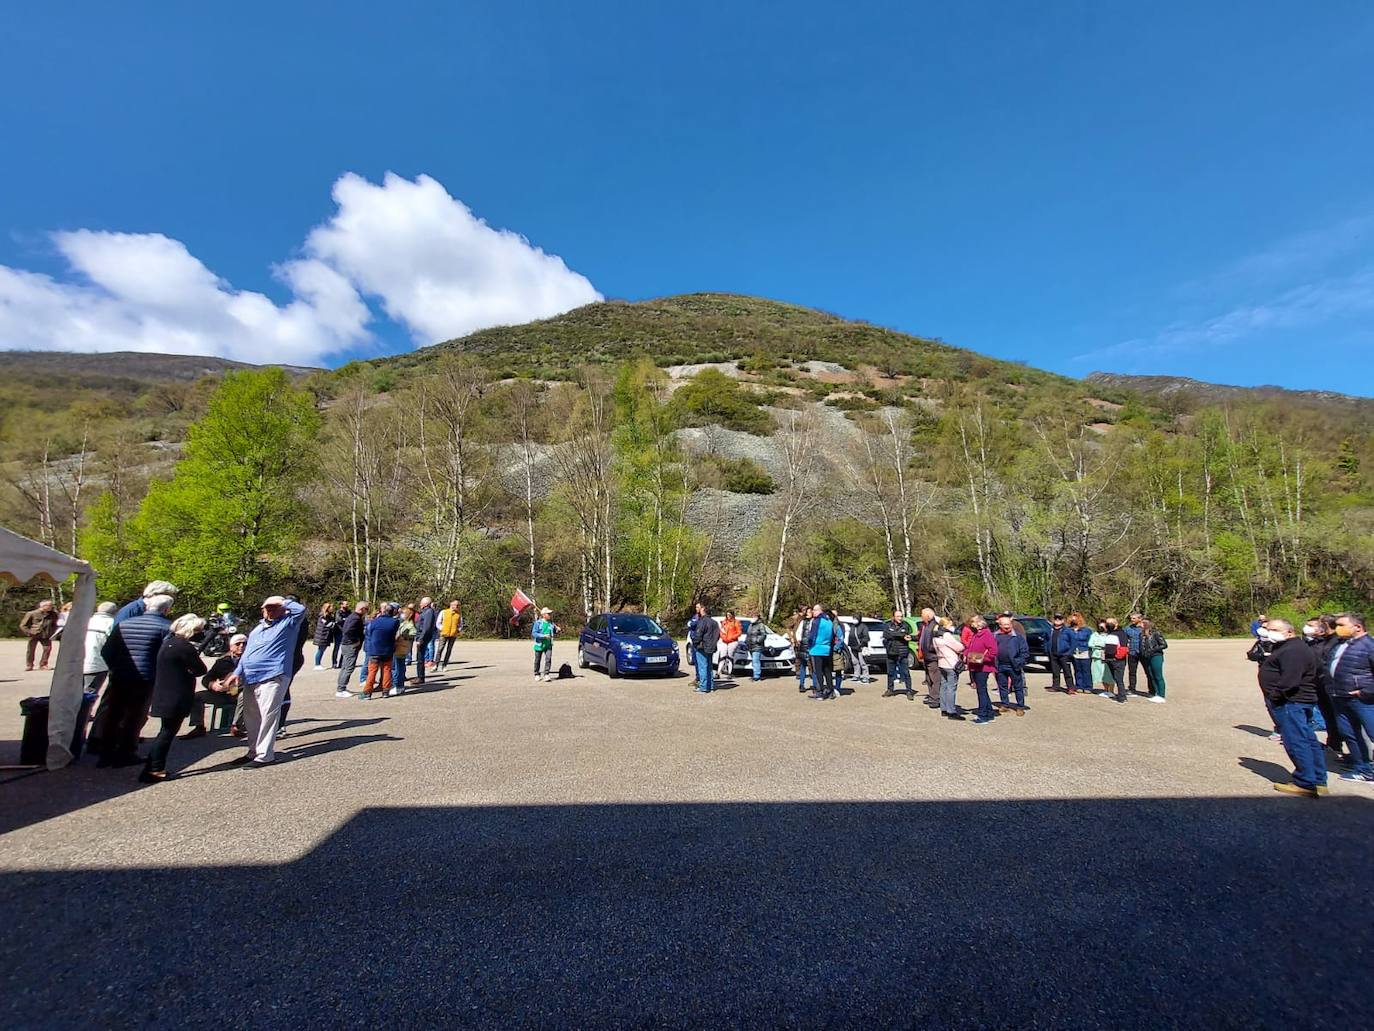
[[97, 631], [949, 650]]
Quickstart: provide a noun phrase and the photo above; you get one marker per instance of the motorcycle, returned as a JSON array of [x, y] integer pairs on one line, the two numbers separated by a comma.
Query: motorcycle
[[213, 639]]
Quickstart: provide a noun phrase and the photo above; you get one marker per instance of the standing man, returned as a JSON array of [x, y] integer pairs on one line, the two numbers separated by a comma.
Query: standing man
[[450, 622], [820, 649], [1351, 683], [264, 675], [1012, 653], [1133, 630], [426, 627], [38, 626], [800, 627], [897, 644], [1288, 678], [1060, 648], [137, 607], [130, 652], [350, 643], [705, 637], [930, 662], [756, 638]]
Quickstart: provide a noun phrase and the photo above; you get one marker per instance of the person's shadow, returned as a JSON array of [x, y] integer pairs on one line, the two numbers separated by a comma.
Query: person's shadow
[[1257, 731], [1272, 772]]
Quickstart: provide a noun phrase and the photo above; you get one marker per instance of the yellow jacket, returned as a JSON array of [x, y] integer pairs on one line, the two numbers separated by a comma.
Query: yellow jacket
[[448, 623]]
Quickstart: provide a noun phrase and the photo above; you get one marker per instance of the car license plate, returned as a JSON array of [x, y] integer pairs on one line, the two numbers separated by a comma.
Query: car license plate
[[655, 658]]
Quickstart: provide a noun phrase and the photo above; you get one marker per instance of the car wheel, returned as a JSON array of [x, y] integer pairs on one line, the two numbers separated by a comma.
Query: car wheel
[[611, 671], [582, 662]]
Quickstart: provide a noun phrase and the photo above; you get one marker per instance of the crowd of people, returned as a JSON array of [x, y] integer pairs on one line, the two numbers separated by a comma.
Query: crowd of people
[[1316, 681]]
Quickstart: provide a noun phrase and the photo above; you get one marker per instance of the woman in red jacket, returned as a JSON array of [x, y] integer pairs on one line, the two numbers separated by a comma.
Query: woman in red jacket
[[980, 655]]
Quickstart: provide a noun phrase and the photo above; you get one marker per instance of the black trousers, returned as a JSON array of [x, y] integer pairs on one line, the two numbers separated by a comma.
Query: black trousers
[[445, 649], [823, 675], [1133, 661], [421, 643], [1117, 669], [123, 711], [162, 744], [204, 697], [1061, 664]]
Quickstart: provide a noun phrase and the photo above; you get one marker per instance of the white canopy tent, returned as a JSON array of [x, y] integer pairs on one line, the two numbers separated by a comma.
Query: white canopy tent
[[21, 560]]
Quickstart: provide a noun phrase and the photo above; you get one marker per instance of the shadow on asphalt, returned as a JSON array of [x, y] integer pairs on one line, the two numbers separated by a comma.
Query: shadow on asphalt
[[1271, 772], [1099, 913], [1257, 731]]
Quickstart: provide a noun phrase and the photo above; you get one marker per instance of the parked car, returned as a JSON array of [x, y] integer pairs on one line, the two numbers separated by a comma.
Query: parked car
[[875, 652], [1037, 637], [778, 656], [626, 642]]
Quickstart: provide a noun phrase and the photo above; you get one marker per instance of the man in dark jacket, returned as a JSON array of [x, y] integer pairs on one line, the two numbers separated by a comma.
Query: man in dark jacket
[[1059, 645], [212, 689], [1288, 678], [897, 644], [1133, 632], [131, 654], [930, 662], [705, 638], [351, 641], [1351, 682], [755, 638], [426, 629], [38, 626], [1012, 655]]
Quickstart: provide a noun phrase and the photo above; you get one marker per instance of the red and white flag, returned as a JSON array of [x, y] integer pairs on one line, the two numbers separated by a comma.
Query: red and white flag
[[519, 602]]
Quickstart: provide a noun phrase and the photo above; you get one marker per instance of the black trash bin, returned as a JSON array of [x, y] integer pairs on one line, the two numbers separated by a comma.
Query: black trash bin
[[33, 746]]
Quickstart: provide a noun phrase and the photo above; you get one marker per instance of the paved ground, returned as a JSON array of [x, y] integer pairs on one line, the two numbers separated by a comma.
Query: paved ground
[[500, 852]]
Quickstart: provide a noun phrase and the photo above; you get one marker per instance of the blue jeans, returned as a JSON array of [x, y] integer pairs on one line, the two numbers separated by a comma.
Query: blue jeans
[[949, 690], [756, 660], [898, 669], [1295, 724], [803, 668], [706, 672], [980, 684], [1013, 679], [319, 654], [1356, 722], [398, 672], [1083, 674]]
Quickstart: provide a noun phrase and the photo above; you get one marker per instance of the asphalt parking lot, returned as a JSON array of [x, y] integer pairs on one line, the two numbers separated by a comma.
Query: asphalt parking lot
[[493, 851]]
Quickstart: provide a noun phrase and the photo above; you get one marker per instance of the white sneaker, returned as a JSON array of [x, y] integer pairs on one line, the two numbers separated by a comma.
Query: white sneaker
[[343, 694], [393, 693], [318, 667], [1156, 699]]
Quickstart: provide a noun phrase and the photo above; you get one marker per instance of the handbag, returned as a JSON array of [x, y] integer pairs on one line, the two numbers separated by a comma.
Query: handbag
[[975, 658]]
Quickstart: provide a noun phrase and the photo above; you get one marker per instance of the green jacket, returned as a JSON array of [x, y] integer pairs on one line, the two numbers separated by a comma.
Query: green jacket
[[543, 635]]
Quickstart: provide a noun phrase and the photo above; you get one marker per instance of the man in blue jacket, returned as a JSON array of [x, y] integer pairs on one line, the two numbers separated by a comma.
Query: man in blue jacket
[[820, 651], [130, 653], [1351, 684], [264, 672], [1060, 649], [1133, 632], [1012, 655], [704, 637]]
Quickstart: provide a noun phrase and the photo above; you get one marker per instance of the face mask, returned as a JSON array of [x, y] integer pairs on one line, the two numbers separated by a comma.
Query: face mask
[[1275, 636], [1309, 631], [1344, 631]]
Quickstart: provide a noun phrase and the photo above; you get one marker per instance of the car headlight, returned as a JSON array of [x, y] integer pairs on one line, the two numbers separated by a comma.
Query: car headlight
[[630, 648]]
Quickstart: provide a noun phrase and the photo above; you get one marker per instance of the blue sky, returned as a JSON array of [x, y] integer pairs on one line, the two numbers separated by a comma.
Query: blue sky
[[1157, 188]]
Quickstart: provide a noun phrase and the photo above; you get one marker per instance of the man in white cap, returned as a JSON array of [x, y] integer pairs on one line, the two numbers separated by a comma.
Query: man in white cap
[[543, 632], [264, 672], [137, 607]]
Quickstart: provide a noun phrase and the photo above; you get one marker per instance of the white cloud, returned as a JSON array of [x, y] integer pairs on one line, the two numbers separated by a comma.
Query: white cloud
[[433, 265]]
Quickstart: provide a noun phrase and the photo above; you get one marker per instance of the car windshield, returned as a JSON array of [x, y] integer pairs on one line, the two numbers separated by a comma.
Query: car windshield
[[635, 625]]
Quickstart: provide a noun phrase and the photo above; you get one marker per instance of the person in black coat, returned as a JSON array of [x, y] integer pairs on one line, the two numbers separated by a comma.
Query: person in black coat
[[174, 691], [131, 653], [1288, 678], [426, 630]]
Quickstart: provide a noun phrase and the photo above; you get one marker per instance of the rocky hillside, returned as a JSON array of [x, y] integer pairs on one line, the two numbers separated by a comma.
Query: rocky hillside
[[1184, 394]]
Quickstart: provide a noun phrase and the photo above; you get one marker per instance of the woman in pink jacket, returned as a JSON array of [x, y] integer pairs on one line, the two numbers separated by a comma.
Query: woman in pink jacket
[[980, 655]]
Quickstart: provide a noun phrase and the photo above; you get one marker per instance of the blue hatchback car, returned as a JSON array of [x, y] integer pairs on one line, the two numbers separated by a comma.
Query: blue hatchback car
[[626, 642]]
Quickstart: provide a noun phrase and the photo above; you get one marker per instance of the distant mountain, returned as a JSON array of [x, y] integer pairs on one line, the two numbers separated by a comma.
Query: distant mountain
[[1180, 392], [116, 369]]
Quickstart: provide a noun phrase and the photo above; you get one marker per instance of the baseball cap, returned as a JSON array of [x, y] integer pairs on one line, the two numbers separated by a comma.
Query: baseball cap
[[275, 599]]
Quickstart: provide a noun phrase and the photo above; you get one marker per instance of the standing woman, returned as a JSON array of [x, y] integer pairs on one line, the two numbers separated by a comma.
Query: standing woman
[[949, 650], [95, 670], [174, 691], [1152, 645], [405, 634], [1082, 662], [1097, 647], [1116, 649], [324, 632], [980, 653]]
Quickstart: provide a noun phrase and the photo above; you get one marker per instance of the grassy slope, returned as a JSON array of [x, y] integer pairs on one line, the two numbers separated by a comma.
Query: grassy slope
[[715, 327]]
